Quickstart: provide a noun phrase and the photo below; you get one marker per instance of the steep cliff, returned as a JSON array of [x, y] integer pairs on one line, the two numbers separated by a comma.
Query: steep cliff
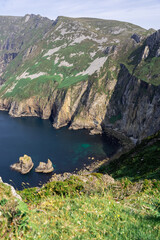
[[134, 108], [18, 34], [71, 74]]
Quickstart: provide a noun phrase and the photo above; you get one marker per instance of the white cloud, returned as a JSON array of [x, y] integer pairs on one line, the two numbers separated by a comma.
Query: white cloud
[[141, 12]]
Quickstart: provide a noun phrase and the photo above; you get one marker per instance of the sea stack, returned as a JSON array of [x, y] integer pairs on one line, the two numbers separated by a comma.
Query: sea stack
[[24, 165], [45, 167]]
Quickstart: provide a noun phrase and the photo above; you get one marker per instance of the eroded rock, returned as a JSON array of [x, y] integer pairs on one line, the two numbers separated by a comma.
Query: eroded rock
[[158, 53], [145, 53], [45, 167], [24, 165], [136, 38]]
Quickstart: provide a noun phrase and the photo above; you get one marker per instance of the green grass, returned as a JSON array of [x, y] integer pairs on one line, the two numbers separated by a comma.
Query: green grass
[[64, 210], [149, 71], [142, 162], [95, 217], [72, 80], [35, 62]]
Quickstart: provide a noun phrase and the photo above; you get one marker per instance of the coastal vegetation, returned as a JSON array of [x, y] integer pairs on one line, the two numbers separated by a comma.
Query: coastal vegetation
[[96, 74], [93, 205]]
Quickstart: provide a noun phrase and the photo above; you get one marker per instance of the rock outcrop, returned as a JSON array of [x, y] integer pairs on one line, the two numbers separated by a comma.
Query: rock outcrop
[[158, 52], [136, 38], [45, 167], [24, 165], [110, 49], [13, 191], [57, 79], [86, 177], [153, 40], [145, 53], [134, 108]]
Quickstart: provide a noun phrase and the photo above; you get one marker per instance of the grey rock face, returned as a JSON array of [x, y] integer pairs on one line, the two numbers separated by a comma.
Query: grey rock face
[[158, 53], [153, 39], [145, 53], [134, 108], [136, 37], [87, 103], [110, 49]]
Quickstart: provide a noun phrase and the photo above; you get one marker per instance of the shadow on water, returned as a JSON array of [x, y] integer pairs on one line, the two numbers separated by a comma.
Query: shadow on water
[[110, 145]]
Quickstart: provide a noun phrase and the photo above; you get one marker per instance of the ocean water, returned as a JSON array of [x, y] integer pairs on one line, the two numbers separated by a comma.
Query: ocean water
[[69, 150]]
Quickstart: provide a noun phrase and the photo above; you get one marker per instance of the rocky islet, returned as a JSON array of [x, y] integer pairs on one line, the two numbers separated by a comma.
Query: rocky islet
[[25, 165], [45, 167]]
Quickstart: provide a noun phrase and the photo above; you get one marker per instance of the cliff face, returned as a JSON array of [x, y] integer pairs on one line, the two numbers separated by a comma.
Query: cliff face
[[17, 34], [79, 106], [70, 72], [134, 108]]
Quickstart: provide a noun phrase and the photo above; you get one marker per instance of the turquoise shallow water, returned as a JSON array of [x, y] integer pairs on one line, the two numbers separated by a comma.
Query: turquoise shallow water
[[68, 150]]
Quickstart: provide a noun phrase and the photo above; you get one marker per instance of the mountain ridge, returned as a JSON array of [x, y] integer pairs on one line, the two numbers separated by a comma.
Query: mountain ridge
[[70, 70]]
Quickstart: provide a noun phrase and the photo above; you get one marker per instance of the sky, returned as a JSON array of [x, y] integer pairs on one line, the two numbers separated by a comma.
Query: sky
[[145, 13]]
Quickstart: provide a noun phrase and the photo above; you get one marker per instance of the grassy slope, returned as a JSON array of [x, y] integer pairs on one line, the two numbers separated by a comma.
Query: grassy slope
[[64, 32], [141, 162], [147, 70], [16, 30]]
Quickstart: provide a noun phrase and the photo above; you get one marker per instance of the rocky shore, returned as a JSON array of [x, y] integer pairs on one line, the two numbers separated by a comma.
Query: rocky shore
[[87, 170]]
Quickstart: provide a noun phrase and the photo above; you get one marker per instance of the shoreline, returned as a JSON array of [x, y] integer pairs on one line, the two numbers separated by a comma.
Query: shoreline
[[123, 143], [93, 167]]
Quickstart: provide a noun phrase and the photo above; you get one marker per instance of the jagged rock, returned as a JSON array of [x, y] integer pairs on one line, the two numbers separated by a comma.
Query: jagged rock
[[110, 49], [45, 167], [83, 102], [153, 40], [158, 53], [139, 118], [61, 177], [145, 53], [24, 165], [96, 131], [136, 38], [8, 57]]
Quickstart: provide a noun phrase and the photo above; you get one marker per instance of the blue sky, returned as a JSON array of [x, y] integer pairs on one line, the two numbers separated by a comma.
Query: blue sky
[[145, 13]]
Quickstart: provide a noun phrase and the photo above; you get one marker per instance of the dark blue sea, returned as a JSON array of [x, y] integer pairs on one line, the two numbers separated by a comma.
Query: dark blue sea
[[69, 150]]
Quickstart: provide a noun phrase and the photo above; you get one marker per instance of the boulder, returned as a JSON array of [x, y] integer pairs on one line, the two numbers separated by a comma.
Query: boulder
[[24, 165], [45, 167]]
